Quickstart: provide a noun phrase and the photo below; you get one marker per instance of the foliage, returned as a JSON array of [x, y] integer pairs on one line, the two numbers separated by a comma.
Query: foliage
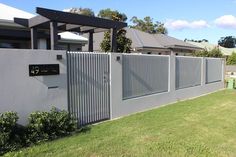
[[83, 11], [197, 41], [147, 25], [9, 132], [123, 43], [42, 126], [49, 125], [112, 15], [231, 60], [106, 43], [216, 53], [228, 42]]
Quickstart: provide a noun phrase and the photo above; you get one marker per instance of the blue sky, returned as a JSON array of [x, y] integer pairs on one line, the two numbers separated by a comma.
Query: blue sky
[[209, 19]]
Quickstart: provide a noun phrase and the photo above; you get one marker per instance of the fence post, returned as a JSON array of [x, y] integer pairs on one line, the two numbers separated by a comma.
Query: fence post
[[203, 72], [223, 70], [172, 73], [115, 83]]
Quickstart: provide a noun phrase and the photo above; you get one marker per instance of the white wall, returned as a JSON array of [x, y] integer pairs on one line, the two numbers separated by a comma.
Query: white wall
[[24, 94]]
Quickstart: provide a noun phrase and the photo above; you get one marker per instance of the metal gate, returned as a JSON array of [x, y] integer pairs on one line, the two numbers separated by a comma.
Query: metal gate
[[88, 86]]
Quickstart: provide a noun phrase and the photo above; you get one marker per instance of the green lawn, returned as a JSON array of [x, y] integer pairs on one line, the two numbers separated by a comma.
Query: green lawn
[[204, 126]]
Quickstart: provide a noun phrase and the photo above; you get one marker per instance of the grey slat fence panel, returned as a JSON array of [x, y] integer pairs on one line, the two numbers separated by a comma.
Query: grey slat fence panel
[[214, 70], [188, 72], [144, 75], [88, 86]]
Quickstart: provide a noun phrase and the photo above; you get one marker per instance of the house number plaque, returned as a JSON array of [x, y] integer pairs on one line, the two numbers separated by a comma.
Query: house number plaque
[[43, 69]]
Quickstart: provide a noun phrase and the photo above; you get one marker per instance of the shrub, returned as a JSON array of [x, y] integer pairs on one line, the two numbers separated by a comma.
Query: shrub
[[231, 60], [10, 133], [49, 125], [216, 53], [42, 126]]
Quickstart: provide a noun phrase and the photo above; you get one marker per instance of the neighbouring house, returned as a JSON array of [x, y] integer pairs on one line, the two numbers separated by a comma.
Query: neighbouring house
[[208, 46], [143, 42], [13, 35]]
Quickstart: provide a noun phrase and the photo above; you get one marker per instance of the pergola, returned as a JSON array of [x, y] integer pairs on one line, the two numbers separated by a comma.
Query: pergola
[[58, 21]]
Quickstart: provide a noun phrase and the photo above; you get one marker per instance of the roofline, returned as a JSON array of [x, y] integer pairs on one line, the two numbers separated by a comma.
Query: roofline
[[184, 47], [151, 48], [72, 41], [10, 23]]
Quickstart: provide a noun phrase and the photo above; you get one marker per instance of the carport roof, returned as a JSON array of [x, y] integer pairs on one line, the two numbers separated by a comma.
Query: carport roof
[[69, 21]]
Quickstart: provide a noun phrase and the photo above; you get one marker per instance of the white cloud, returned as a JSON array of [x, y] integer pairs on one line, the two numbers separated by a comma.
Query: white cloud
[[226, 21], [184, 24]]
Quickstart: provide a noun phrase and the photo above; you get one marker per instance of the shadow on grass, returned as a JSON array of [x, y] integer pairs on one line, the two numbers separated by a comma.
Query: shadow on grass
[[84, 129]]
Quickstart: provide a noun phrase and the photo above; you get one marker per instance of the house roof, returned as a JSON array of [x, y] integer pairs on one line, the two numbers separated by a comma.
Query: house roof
[[142, 40], [70, 37], [8, 13], [170, 42], [209, 46]]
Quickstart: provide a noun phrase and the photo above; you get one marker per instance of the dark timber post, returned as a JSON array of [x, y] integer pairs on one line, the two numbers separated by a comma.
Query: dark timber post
[[90, 42], [53, 35], [113, 40], [34, 38]]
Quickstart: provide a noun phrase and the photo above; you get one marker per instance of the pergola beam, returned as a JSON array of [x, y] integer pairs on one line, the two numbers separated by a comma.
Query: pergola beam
[[53, 35], [69, 27], [95, 30], [57, 21], [37, 20], [34, 38], [113, 40], [90, 42], [76, 19], [22, 21]]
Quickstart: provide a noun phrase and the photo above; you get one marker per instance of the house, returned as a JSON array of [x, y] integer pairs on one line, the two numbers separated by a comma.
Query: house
[[143, 42], [13, 35], [208, 46]]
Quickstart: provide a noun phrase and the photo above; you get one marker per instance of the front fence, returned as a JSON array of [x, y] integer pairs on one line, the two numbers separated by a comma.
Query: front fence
[[144, 75], [88, 86], [188, 72], [213, 70], [98, 86]]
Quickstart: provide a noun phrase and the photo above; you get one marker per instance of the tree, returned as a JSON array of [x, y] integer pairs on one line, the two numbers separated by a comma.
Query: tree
[[147, 25], [198, 41], [216, 53], [231, 60], [112, 15], [123, 43], [82, 11], [228, 42]]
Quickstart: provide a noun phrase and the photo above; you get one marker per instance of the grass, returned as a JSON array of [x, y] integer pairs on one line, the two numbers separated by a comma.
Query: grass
[[205, 126]]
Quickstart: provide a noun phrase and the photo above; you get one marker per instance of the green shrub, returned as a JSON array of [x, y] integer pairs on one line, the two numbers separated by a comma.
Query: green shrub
[[49, 125], [42, 126], [11, 134], [216, 53], [231, 60]]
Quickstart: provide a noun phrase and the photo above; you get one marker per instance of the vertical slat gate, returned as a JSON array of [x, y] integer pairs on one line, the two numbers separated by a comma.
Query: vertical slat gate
[[88, 86]]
